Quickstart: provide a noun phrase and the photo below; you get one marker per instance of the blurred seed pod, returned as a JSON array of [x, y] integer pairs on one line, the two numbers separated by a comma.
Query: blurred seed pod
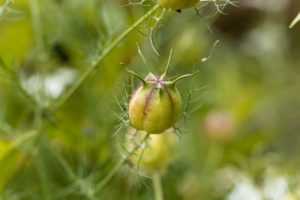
[[155, 154]]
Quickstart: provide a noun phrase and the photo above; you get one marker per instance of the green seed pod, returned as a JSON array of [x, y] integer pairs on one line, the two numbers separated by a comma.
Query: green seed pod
[[155, 105], [156, 153], [177, 4]]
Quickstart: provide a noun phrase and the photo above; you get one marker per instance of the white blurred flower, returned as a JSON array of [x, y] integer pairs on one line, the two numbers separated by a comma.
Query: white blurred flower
[[276, 188], [245, 191], [49, 86]]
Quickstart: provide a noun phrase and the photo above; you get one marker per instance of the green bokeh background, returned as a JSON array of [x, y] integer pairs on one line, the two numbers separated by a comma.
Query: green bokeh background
[[243, 116]]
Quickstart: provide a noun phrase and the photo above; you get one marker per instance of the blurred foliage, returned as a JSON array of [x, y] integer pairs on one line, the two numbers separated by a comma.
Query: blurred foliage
[[242, 110]]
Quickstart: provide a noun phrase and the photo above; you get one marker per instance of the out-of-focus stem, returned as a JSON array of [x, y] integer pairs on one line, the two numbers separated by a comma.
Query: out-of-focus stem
[[101, 58], [158, 191], [36, 23], [117, 167]]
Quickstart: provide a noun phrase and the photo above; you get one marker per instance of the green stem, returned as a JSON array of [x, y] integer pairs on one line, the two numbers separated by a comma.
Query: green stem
[[116, 168], [101, 58], [157, 187], [109, 176], [183, 77], [136, 75], [6, 128], [168, 64], [4, 7], [43, 176], [36, 24]]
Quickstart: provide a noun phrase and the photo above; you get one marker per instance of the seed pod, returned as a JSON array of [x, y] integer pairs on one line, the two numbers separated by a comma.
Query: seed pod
[[155, 105], [177, 4], [155, 154]]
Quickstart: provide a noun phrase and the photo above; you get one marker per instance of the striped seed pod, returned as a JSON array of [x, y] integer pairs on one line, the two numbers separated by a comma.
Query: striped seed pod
[[155, 104]]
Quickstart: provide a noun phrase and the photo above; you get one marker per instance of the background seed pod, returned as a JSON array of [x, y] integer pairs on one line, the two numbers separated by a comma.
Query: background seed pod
[[155, 154]]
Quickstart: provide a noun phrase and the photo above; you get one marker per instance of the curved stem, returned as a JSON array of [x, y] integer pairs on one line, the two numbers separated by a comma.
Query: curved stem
[[143, 57], [183, 77], [101, 58], [116, 168], [157, 187], [158, 19], [136, 75], [168, 64]]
